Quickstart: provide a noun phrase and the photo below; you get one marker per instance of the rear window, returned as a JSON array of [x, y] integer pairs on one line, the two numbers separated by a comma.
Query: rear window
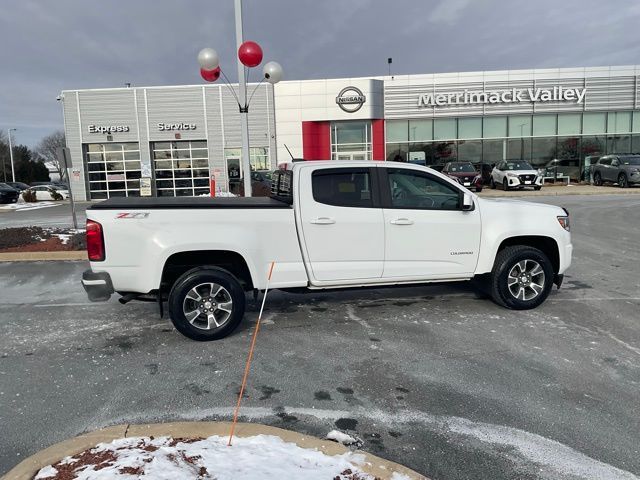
[[630, 160], [343, 187]]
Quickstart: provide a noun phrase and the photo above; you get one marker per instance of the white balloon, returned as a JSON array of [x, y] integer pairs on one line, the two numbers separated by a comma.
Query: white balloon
[[272, 72], [208, 59]]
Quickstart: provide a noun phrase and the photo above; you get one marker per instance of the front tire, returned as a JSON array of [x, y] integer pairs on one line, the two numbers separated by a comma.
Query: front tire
[[536, 188], [622, 181], [206, 303], [478, 189], [505, 184], [522, 277], [493, 184]]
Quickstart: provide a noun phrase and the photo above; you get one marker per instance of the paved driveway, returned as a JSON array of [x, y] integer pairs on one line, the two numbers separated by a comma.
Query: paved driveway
[[432, 377]]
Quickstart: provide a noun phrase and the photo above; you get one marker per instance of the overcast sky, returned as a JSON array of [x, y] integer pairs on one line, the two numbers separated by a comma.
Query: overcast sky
[[48, 46]]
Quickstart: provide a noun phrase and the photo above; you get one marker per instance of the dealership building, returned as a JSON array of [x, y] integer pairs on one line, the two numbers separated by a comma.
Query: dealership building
[[169, 141]]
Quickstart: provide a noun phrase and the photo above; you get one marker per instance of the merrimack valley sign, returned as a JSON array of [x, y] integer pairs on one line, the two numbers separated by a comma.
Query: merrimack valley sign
[[513, 95]]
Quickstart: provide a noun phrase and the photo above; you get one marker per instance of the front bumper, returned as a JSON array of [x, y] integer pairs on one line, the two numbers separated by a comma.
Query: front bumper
[[97, 285], [521, 182]]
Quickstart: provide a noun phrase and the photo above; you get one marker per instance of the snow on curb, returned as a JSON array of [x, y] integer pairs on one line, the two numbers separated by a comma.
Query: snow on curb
[[343, 438], [260, 456]]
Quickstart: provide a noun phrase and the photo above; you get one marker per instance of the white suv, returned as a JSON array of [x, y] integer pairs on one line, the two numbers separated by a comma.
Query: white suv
[[515, 174]]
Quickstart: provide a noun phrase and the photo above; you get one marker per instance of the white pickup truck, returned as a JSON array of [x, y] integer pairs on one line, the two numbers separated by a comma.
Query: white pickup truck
[[327, 225]]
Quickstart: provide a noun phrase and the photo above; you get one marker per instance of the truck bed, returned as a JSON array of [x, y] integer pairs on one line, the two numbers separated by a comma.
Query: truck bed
[[148, 203]]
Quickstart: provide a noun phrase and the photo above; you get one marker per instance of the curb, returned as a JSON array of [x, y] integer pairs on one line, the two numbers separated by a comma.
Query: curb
[[42, 256], [559, 191], [27, 469]]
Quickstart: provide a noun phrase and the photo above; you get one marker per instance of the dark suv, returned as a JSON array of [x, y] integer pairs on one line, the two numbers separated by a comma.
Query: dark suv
[[621, 169]]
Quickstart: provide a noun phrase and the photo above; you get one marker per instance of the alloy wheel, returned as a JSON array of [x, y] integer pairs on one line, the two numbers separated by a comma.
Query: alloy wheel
[[207, 306], [526, 280]]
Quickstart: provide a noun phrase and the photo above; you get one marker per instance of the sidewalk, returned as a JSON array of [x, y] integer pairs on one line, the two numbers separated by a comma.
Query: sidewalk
[[27, 469], [560, 190]]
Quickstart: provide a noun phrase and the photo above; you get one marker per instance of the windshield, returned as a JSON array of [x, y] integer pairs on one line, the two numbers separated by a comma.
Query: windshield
[[519, 166], [4, 185], [630, 160], [461, 168]]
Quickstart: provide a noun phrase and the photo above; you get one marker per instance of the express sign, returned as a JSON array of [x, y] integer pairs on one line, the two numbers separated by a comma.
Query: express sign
[[514, 95]]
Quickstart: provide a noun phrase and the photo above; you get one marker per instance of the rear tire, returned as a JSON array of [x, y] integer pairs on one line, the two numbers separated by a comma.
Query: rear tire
[[597, 179], [522, 277], [622, 181], [206, 303]]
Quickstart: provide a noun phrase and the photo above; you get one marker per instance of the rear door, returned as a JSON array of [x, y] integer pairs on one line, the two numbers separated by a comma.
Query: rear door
[[342, 223], [427, 234]]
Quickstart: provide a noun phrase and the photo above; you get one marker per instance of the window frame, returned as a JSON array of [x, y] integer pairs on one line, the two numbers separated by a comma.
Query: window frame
[[376, 201], [387, 201]]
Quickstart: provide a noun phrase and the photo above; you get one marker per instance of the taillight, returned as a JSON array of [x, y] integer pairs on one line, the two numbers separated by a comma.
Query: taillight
[[95, 241]]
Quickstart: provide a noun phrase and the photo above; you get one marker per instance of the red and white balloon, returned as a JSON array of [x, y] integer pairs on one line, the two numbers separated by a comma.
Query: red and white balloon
[[250, 54], [210, 75]]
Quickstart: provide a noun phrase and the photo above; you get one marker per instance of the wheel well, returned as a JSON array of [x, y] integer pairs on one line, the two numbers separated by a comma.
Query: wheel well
[[545, 244], [179, 263]]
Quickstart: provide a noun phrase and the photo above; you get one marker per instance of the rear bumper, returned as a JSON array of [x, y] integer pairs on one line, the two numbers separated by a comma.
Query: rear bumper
[[97, 285]]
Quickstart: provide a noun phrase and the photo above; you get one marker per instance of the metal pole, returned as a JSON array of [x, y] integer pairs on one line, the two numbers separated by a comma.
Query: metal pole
[[13, 173], [65, 153], [244, 108]]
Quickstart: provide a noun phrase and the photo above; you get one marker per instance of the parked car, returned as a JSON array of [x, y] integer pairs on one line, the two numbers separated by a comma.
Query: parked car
[[18, 185], [327, 225], [46, 192], [8, 194], [621, 169], [515, 174], [38, 184], [464, 173]]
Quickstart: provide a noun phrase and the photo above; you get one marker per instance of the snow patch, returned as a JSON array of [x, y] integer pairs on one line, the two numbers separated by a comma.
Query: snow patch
[[340, 437], [261, 456]]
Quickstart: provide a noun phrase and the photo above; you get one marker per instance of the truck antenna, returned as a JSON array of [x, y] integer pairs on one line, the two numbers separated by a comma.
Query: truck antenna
[[285, 146]]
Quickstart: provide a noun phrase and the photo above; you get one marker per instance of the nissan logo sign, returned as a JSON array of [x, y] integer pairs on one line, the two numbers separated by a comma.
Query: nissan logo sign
[[350, 99]]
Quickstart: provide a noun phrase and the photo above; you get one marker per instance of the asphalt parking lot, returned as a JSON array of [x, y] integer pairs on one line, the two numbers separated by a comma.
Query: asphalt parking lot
[[433, 377]]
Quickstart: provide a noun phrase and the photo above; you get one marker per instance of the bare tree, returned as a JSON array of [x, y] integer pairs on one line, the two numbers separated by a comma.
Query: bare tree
[[5, 164], [47, 149]]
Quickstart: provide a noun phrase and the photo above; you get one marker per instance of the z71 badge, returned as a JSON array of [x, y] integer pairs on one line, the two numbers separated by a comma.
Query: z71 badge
[[132, 215]]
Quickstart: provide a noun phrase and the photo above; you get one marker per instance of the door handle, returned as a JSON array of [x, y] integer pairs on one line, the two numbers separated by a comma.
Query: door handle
[[401, 221], [323, 221]]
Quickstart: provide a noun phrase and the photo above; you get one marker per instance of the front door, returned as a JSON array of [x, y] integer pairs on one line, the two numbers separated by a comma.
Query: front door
[[427, 235], [342, 226]]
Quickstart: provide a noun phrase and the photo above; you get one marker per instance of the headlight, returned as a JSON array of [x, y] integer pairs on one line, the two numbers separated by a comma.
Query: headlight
[[509, 174], [564, 223]]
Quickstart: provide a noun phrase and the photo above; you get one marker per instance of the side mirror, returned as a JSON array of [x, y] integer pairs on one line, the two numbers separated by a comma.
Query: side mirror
[[467, 202]]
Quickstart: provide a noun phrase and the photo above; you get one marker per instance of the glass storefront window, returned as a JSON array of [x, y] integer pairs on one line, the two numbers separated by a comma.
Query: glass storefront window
[[568, 148], [635, 123], [494, 127], [421, 153], [420, 130], [444, 152], [469, 128], [444, 129], [493, 151], [543, 150], [108, 174], [594, 123], [619, 144], [397, 130], [635, 144], [618, 122], [397, 152], [569, 124], [176, 171], [519, 125], [470, 151], [545, 125], [519, 149]]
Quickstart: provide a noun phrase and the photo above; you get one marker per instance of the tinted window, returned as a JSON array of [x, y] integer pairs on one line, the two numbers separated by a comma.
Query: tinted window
[[630, 160], [413, 189], [343, 187], [604, 161], [519, 166]]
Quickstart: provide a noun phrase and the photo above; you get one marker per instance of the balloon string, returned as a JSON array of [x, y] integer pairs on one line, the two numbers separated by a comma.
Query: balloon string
[[230, 88], [254, 91]]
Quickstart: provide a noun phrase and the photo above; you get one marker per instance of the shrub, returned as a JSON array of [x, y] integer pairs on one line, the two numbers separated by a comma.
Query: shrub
[[29, 196]]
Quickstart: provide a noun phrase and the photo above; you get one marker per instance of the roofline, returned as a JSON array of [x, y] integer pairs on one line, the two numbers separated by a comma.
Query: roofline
[[523, 71]]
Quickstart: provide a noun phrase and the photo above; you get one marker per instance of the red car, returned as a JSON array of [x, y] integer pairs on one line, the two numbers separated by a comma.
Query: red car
[[464, 173]]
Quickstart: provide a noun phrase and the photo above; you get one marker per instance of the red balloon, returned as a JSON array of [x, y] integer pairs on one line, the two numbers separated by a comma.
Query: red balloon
[[210, 75], [250, 54]]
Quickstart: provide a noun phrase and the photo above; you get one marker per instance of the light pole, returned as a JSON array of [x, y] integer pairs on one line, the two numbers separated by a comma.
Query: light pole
[[13, 172], [249, 55]]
